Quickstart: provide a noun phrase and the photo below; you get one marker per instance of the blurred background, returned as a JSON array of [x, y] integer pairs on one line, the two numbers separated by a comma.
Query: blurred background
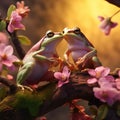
[[58, 14]]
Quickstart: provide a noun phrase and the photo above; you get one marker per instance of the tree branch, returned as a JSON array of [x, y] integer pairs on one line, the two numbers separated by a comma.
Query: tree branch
[[12, 86], [114, 2], [75, 89], [17, 45]]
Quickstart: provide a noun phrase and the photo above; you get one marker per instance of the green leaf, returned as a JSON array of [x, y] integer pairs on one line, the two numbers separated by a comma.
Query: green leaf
[[2, 25], [30, 102], [10, 10], [24, 40], [102, 112]]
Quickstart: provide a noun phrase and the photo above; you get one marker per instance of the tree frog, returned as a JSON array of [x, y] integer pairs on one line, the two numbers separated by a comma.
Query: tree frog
[[39, 59], [83, 53]]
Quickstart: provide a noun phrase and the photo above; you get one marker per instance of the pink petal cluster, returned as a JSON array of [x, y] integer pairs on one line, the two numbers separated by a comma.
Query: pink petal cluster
[[108, 89], [6, 56], [22, 9], [97, 73], [63, 76], [17, 16], [15, 22], [106, 24]]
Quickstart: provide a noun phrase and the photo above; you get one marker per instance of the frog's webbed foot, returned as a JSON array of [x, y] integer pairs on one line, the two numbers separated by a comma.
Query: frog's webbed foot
[[90, 62], [81, 62], [55, 61], [71, 66], [22, 87]]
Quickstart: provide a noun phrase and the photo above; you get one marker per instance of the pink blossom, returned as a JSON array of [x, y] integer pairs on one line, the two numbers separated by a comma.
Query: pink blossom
[[15, 22], [97, 73], [6, 56], [63, 76], [106, 24], [109, 87], [3, 38], [9, 77], [107, 81], [107, 94], [22, 9]]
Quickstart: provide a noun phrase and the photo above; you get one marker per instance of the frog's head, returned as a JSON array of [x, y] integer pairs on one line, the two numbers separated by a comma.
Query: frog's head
[[73, 34], [52, 37]]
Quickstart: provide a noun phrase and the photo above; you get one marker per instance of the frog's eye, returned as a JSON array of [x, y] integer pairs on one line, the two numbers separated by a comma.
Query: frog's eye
[[49, 34], [77, 30]]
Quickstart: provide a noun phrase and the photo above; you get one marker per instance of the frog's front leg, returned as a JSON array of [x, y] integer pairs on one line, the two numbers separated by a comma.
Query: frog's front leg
[[53, 61], [89, 60], [24, 72], [23, 87], [66, 57]]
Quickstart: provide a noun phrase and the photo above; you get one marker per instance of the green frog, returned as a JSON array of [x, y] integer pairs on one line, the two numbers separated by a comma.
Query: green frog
[[82, 51]]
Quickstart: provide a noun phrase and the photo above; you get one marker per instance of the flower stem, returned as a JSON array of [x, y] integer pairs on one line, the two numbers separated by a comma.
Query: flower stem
[[115, 13]]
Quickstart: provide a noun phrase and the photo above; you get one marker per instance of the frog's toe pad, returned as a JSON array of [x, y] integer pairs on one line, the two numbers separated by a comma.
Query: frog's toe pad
[[22, 87]]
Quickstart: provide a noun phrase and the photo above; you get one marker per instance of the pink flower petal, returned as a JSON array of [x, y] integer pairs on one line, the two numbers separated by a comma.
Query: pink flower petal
[[114, 24], [99, 69], [92, 81], [20, 26], [2, 46], [15, 22], [63, 76], [11, 28], [106, 25], [13, 58], [106, 95], [66, 70], [58, 75], [8, 50], [100, 18], [61, 83], [106, 82], [7, 62], [92, 72], [105, 71]]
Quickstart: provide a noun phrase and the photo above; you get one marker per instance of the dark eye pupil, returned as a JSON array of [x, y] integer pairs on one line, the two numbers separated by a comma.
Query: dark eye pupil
[[50, 33], [77, 30]]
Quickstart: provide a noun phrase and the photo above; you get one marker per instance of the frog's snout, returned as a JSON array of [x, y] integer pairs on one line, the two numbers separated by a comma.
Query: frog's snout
[[60, 33], [65, 30]]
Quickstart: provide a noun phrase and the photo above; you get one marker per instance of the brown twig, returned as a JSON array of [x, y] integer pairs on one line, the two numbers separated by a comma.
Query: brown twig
[[17, 45], [114, 2], [8, 83]]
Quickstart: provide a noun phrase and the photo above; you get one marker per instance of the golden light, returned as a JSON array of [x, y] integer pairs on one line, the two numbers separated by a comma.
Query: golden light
[[84, 13]]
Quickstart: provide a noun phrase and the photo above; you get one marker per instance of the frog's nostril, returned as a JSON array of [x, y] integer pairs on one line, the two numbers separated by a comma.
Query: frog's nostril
[[65, 30]]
